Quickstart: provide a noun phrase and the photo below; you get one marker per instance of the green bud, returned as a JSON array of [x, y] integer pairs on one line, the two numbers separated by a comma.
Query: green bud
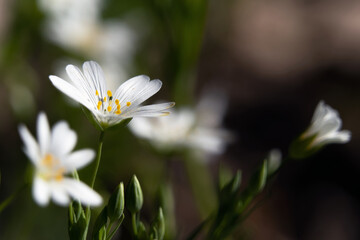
[[77, 227], [115, 207], [231, 188], [134, 196], [158, 226], [142, 231], [258, 180], [100, 224]]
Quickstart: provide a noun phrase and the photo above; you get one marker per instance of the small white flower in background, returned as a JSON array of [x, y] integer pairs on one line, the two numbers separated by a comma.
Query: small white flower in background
[[325, 127], [89, 89], [274, 160], [197, 129], [53, 158]]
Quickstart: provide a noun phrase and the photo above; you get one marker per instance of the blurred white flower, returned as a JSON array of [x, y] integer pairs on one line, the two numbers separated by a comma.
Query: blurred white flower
[[53, 159], [325, 127], [197, 129], [77, 26], [274, 160], [89, 89]]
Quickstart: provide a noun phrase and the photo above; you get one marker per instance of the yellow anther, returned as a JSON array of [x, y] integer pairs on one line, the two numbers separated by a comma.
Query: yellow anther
[[48, 160], [128, 104], [59, 177], [109, 108], [117, 101], [118, 107], [109, 93], [118, 112], [97, 93], [99, 105], [104, 99]]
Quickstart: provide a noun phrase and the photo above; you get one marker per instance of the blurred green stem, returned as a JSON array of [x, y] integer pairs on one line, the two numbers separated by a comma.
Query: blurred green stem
[[202, 185], [8, 200]]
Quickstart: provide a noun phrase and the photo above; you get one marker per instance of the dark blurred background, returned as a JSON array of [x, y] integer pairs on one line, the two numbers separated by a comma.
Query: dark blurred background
[[275, 60]]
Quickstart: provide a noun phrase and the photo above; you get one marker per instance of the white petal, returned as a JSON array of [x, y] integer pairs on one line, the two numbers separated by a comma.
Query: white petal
[[130, 88], [78, 159], [59, 194], [63, 139], [154, 110], [43, 133], [31, 148], [72, 92], [334, 137], [147, 90], [319, 111], [141, 127], [95, 76], [80, 191], [41, 191]]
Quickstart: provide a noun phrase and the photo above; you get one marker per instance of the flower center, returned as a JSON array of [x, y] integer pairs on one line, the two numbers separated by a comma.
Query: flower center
[[107, 105], [51, 168]]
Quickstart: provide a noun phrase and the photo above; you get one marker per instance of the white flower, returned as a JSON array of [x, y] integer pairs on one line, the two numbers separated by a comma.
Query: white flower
[[53, 159], [325, 127], [196, 129], [89, 89], [274, 160]]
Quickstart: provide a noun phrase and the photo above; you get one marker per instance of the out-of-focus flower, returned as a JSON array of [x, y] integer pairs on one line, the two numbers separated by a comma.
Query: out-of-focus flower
[[197, 129], [274, 160], [89, 89], [324, 129], [77, 26], [53, 159]]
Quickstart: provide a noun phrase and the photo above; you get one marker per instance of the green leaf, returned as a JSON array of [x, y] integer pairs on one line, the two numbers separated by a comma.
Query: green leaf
[[158, 225]]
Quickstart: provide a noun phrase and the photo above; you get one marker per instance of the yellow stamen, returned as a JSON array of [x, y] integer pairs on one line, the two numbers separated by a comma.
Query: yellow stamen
[[104, 99], [109, 108], [109, 93], [97, 93], [117, 101], [48, 160], [99, 105], [128, 104], [118, 112], [59, 175], [118, 107]]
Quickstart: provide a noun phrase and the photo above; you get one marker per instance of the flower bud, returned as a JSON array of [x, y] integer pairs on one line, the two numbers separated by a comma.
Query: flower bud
[[116, 203], [134, 196], [158, 226]]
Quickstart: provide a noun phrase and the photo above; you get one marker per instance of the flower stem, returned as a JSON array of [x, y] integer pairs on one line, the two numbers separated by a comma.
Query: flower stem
[[98, 157], [134, 224]]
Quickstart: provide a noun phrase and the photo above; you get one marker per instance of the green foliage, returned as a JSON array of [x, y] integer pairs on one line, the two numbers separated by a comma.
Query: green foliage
[[77, 223]]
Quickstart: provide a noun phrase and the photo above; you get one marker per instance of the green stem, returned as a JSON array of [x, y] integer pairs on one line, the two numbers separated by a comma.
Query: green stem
[[134, 224], [98, 157], [8, 200]]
